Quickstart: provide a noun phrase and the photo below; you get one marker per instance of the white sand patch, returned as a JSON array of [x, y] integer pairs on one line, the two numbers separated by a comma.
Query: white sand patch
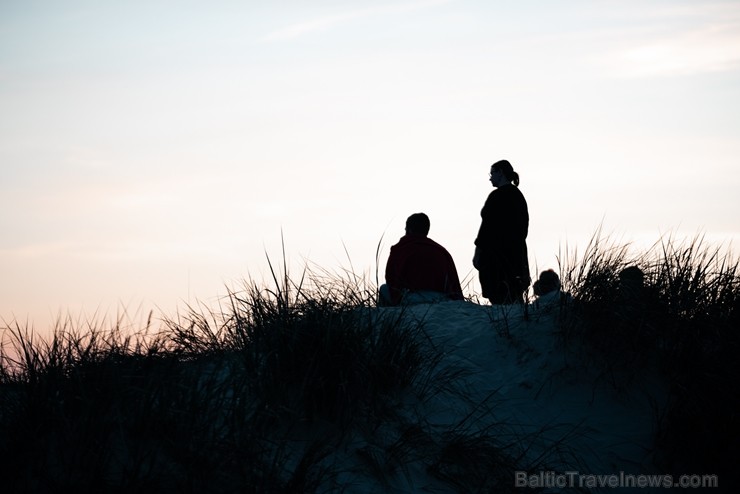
[[535, 390]]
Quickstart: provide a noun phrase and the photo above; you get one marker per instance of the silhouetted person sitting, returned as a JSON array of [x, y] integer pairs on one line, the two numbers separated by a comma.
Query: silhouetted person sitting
[[419, 269], [548, 282], [630, 294], [547, 290], [631, 282]]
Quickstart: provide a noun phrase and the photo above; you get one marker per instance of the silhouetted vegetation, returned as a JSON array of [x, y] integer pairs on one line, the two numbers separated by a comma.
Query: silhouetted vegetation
[[262, 395], [675, 311], [307, 386]]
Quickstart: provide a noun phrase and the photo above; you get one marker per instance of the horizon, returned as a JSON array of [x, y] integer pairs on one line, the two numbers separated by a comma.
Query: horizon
[[154, 154]]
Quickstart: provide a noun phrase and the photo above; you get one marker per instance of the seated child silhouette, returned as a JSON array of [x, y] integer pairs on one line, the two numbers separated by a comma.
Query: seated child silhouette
[[547, 290]]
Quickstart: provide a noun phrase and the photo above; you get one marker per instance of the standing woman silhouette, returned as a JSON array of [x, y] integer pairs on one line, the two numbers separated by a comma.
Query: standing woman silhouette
[[501, 247]]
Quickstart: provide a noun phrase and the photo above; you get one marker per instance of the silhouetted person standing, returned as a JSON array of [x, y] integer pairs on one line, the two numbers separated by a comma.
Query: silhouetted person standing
[[418, 268], [501, 247]]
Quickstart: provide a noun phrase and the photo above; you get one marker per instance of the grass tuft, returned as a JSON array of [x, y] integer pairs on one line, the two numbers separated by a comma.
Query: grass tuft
[[680, 321], [258, 395]]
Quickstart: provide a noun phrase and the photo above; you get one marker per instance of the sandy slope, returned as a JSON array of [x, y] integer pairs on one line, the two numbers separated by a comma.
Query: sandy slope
[[537, 393]]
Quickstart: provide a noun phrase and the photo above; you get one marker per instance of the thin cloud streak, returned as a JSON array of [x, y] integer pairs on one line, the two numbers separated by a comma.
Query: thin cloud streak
[[324, 23], [712, 49], [679, 41]]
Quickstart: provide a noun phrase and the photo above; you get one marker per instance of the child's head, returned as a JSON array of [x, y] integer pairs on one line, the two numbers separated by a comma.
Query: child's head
[[549, 281]]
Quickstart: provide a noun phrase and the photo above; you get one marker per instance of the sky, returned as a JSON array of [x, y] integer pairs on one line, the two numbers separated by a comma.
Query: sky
[[153, 154]]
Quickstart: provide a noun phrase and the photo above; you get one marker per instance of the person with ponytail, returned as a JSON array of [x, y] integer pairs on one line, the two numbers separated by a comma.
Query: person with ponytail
[[501, 246]]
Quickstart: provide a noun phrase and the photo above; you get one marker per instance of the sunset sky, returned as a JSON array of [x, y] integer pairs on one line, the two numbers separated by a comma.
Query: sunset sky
[[152, 152]]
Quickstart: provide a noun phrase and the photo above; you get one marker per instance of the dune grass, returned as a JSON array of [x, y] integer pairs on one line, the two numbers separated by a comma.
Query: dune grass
[[268, 393], [681, 321], [305, 386]]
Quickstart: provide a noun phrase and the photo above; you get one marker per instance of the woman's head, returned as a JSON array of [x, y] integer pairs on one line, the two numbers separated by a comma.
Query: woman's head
[[503, 170]]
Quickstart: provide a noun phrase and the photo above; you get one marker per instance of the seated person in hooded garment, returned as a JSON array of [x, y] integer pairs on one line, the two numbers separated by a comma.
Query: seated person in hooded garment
[[548, 282], [547, 290], [419, 269]]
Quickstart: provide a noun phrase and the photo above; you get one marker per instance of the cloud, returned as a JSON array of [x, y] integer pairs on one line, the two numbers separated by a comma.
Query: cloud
[[321, 24], [713, 49], [681, 42]]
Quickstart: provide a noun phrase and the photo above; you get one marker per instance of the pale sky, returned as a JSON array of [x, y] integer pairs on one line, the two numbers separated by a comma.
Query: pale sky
[[152, 152]]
